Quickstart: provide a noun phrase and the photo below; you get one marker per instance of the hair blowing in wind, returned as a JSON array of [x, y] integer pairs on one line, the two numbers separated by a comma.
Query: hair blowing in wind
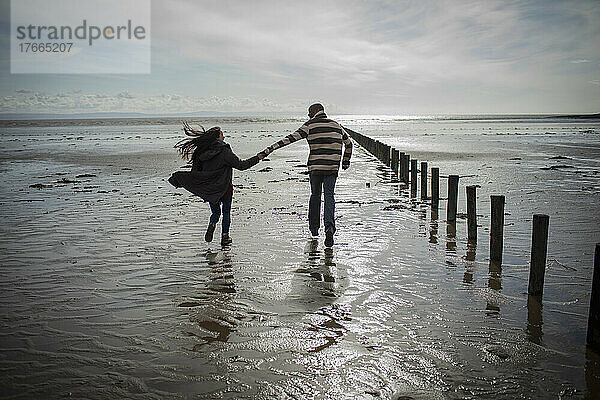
[[200, 139]]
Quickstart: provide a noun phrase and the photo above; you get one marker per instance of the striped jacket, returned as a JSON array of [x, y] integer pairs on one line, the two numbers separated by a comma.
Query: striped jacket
[[325, 138]]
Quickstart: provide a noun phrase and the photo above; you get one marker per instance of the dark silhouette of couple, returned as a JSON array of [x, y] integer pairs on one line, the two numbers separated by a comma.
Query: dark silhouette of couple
[[213, 160]]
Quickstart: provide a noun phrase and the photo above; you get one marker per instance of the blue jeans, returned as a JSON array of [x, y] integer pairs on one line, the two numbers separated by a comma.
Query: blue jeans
[[326, 184], [225, 202]]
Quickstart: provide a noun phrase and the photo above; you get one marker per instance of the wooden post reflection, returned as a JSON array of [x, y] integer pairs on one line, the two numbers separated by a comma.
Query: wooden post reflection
[[422, 220], [534, 319], [451, 237], [471, 250], [593, 331], [468, 277], [494, 283], [592, 370], [433, 232], [470, 257], [495, 277]]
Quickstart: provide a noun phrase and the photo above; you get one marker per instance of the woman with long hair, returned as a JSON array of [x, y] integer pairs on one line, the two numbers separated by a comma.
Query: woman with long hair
[[211, 176]]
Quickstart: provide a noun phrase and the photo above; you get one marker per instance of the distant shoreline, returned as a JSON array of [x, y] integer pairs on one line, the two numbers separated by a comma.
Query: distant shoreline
[[581, 116], [42, 120]]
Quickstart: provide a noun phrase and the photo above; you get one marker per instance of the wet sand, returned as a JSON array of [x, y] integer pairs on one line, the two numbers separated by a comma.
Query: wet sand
[[108, 289]]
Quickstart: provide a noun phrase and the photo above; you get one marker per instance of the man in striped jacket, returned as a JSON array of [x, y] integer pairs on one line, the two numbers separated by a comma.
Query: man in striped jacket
[[325, 138]]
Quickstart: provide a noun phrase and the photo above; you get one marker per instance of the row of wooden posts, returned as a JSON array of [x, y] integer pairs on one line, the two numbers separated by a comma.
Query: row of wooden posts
[[403, 167]]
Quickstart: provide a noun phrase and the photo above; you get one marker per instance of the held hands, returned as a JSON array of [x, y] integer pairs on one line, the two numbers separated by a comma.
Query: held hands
[[263, 154], [345, 165]]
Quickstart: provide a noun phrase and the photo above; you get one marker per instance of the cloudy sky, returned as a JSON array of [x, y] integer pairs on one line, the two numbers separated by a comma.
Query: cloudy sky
[[357, 57]]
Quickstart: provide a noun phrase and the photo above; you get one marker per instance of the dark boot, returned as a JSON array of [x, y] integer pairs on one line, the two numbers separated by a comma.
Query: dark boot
[[329, 238], [209, 232], [225, 240]]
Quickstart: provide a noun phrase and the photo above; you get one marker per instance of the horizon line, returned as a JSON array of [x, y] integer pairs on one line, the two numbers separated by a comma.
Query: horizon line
[[19, 116]]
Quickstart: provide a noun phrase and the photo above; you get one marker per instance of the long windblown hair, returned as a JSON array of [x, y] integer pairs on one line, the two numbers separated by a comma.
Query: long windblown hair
[[200, 140]]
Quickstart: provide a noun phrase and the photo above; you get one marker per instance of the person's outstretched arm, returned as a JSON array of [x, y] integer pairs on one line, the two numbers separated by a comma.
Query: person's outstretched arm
[[301, 133], [235, 162], [347, 149]]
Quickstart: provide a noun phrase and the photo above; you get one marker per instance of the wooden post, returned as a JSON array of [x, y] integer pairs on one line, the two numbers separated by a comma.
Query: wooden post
[[401, 156], [406, 168], [386, 154], [452, 198], [397, 169], [539, 250], [423, 180], [472, 213], [593, 331], [401, 169], [435, 187], [395, 160], [413, 178], [497, 229]]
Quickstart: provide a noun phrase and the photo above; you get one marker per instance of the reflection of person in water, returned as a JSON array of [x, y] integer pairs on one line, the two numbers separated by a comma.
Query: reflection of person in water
[[211, 175], [221, 272], [320, 298], [320, 269], [214, 316]]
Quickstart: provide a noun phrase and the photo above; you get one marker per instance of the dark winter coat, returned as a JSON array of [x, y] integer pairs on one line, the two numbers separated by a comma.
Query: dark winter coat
[[211, 173]]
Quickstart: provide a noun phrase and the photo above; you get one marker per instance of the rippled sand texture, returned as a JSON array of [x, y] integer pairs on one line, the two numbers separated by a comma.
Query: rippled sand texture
[[109, 291]]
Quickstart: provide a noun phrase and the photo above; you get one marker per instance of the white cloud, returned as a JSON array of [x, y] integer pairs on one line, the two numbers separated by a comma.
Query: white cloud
[[277, 39], [25, 100], [353, 42]]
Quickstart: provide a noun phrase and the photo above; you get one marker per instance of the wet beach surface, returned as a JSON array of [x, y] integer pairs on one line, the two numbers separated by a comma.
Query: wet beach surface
[[108, 289]]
